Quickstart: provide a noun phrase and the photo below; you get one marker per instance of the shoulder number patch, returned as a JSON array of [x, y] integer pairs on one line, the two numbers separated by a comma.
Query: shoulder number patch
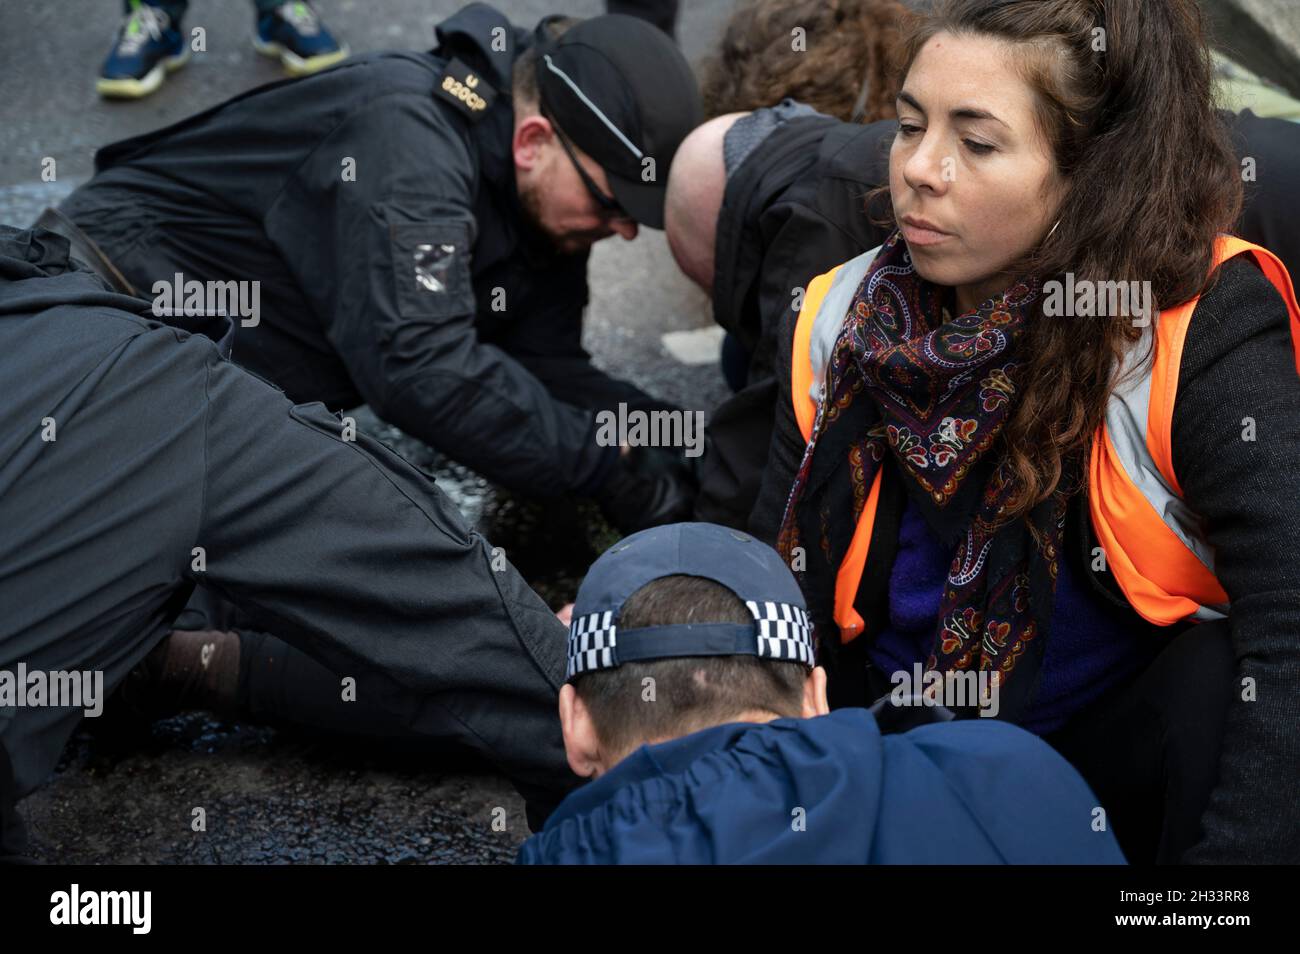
[[466, 90]]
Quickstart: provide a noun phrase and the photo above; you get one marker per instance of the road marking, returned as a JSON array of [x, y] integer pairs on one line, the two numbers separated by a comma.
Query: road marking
[[694, 347]]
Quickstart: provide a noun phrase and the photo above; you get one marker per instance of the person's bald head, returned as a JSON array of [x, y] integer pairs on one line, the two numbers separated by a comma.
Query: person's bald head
[[697, 182]]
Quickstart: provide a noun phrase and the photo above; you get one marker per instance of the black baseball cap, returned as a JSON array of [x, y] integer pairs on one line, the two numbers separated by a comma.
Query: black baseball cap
[[620, 89], [750, 569]]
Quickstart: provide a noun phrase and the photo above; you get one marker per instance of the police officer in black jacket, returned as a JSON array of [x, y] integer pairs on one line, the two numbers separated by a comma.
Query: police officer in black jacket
[[418, 224]]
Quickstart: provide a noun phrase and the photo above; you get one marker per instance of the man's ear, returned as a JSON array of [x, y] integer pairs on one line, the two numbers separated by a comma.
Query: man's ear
[[581, 747], [532, 135], [814, 694]]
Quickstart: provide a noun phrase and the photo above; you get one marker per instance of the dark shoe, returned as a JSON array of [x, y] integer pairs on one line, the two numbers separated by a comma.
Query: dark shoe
[[187, 671], [148, 47], [295, 34]]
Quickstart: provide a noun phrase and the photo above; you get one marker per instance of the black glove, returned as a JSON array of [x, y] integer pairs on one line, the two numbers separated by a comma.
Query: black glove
[[653, 461], [648, 489], [891, 717]]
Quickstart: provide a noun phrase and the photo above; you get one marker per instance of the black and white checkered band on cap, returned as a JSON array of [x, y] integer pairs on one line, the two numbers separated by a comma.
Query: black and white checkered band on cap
[[784, 631], [753, 571], [591, 643], [780, 631]]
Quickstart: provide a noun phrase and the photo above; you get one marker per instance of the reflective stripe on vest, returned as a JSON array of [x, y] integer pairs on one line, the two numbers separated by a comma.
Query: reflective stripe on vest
[[1152, 540], [814, 336]]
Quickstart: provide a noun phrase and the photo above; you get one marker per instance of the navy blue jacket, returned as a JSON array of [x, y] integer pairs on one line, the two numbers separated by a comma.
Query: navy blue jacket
[[832, 790]]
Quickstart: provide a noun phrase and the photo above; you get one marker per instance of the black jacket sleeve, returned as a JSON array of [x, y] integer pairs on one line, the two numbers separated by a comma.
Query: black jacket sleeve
[[801, 243], [548, 342], [384, 256], [1272, 183], [747, 442], [786, 450], [1236, 453]]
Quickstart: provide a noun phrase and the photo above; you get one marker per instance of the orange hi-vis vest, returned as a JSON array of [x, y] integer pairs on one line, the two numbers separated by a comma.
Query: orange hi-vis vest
[[1153, 542]]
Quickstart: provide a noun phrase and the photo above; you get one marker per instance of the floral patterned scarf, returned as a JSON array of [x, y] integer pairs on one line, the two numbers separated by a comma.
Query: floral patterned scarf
[[904, 378]]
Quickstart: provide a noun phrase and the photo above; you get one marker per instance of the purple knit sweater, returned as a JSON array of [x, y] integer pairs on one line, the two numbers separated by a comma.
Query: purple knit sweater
[[1090, 648]]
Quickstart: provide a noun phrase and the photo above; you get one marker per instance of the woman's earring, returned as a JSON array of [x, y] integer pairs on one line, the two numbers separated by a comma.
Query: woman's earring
[[1053, 232]]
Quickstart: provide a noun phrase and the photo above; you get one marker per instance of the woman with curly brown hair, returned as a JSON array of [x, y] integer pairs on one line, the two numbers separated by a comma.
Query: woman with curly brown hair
[[1002, 461], [833, 55]]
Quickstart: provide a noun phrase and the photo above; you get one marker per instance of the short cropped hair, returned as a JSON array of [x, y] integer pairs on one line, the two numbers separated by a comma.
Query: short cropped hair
[[523, 76], [689, 693]]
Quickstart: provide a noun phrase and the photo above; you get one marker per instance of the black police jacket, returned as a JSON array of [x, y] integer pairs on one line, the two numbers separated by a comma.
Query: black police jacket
[[379, 213]]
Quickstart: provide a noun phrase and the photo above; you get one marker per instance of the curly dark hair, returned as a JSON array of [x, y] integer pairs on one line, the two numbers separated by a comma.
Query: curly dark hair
[[1151, 180], [849, 49]]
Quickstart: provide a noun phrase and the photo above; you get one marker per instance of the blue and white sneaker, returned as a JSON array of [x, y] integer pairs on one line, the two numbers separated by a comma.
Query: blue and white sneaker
[[148, 47], [294, 33]]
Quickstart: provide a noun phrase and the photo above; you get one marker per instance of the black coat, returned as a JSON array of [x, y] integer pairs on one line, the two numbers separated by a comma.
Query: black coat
[[326, 190], [793, 210], [161, 445]]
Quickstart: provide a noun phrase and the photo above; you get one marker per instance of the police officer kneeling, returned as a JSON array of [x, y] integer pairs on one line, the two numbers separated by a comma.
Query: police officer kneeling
[[418, 225]]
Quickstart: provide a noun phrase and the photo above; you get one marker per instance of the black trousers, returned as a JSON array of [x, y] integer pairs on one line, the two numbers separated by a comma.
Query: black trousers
[[1149, 749], [13, 834]]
